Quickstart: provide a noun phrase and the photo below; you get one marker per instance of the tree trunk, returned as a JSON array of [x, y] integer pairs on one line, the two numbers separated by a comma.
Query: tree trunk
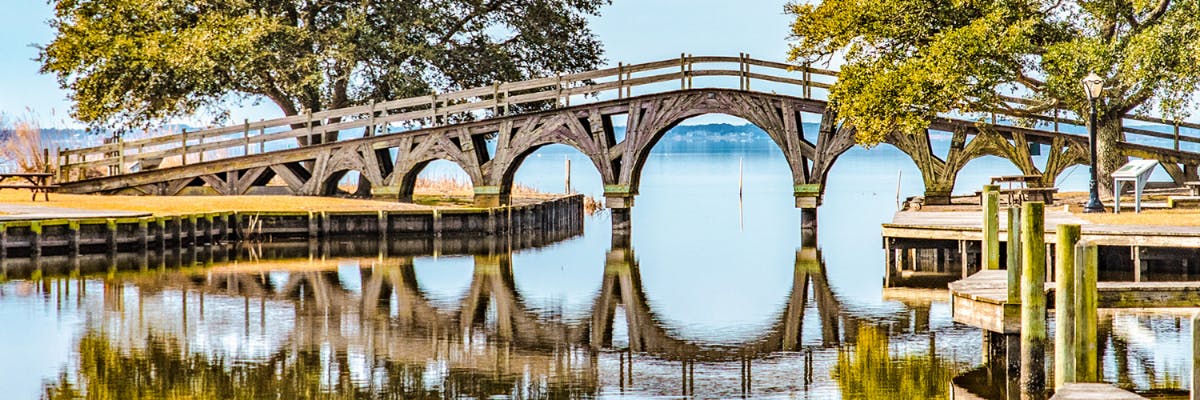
[[1108, 154]]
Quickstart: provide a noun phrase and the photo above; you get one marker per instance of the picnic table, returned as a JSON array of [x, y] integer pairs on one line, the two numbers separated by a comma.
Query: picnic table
[[1018, 189], [34, 181], [1022, 180]]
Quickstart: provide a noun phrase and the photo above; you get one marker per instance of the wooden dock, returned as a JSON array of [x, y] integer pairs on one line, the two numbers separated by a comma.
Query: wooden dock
[[981, 300], [968, 225]]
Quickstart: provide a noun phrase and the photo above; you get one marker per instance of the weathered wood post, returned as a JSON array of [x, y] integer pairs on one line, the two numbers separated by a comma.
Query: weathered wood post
[[246, 137], [1064, 305], [73, 237], [143, 233], [1196, 356], [183, 146], [308, 127], [120, 155], [1033, 301], [991, 227], [1012, 342], [1014, 255], [35, 240], [1086, 364]]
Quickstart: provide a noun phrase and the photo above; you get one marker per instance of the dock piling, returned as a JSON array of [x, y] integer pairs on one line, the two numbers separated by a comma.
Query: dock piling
[[1086, 259], [1033, 301], [1014, 255], [991, 227], [1064, 305]]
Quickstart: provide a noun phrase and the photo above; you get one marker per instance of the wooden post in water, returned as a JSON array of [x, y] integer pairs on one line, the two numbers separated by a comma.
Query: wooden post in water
[[741, 173], [1033, 301], [1196, 357], [1064, 305], [1014, 255], [991, 227], [1086, 259]]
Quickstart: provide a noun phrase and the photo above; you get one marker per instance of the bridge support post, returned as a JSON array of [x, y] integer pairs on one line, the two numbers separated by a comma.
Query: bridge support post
[[937, 198], [808, 197], [622, 226], [808, 218]]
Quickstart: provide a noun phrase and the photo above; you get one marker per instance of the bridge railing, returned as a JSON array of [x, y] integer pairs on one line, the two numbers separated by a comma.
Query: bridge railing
[[501, 99]]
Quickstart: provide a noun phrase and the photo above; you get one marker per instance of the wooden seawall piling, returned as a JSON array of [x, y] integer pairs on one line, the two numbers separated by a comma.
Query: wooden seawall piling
[[76, 236]]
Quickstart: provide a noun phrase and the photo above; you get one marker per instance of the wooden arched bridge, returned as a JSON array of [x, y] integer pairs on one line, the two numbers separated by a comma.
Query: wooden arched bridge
[[489, 131]]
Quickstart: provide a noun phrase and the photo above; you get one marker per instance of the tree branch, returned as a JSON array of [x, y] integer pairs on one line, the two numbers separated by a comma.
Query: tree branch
[[1141, 96], [1157, 13], [457, 27], [1154, 17], [1029, 82]]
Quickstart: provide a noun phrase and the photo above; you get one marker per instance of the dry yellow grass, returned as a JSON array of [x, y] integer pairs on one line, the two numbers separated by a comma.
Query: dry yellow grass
[[1147, 217], [22, 147], [1156, 217], [168, 205], [171, 205]]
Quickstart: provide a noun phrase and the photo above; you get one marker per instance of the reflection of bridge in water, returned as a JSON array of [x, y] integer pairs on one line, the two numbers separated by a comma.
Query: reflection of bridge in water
[[375, 311], [388, 290]]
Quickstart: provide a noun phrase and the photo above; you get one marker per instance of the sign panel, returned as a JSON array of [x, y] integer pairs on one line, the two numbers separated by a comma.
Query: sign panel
[[1133, 169]]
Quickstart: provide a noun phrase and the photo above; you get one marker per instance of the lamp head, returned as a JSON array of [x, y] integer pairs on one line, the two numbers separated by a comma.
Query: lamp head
[[1092, 86]]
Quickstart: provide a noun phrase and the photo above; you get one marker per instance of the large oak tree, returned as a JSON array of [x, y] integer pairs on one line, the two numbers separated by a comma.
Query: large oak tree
[[133, 63], [909, 60]]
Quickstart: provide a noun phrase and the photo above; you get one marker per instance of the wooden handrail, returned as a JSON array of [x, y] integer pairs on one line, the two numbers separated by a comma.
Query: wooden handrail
[[501, 96]]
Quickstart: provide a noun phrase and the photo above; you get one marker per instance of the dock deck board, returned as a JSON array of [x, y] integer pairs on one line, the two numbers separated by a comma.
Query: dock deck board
[[981, 300]]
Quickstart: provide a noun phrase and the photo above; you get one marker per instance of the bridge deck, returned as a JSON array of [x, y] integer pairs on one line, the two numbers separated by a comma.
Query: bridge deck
[[981, 300], [310, 154]]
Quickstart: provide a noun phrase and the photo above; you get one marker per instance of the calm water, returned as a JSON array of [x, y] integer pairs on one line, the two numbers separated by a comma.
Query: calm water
[[716, 296]]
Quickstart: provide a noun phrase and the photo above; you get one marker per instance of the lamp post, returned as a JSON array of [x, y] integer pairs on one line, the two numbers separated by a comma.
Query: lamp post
[[1092, 86]]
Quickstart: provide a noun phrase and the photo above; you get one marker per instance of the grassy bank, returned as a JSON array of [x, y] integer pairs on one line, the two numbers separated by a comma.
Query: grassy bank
[[429, 193], [1155, 217]]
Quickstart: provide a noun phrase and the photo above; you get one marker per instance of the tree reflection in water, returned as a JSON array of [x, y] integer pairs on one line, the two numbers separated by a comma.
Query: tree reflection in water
[[164, 370], [870, 370]]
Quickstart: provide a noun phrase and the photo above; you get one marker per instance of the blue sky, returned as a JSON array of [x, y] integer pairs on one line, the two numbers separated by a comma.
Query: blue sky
[[631, 30]]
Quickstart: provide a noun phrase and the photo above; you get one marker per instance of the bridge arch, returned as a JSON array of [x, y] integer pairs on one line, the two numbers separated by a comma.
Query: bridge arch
[[407, 183], [509, 176], [968, 143], [781, 122], [573, 129]]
